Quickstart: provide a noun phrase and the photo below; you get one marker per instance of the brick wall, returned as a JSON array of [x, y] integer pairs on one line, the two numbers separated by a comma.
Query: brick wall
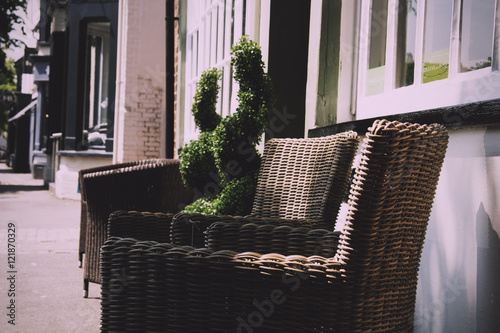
[[143, 113], [142, 125]]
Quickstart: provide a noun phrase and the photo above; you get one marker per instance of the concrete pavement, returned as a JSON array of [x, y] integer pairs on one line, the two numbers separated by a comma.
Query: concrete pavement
[[40, 282]]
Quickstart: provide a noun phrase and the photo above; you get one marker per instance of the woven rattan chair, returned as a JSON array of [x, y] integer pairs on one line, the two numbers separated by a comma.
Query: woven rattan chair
[[149, 185], [302, 182], [83, 201], [368, 285]]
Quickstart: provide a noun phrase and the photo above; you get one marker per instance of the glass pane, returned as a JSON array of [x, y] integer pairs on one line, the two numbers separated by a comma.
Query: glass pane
[[375, 75], [436, 59], [97, 81], [477, 23], [406, 34]]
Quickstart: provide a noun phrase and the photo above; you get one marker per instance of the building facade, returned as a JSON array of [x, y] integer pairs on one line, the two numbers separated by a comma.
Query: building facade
[[104, 99], [337, 65]]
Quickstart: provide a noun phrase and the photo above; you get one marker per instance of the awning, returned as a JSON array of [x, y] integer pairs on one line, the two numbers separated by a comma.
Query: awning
[[23, 111]]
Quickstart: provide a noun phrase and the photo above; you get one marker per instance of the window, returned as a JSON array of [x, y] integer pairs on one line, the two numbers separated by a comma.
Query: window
[[95, 122], [416, 55], [212, 28], [378, 40], [477, 20]]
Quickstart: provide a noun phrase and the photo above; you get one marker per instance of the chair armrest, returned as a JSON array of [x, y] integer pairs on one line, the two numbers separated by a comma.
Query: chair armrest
[[221, 285], [250, 233], [287, 237], [189, 229], [140, 225]]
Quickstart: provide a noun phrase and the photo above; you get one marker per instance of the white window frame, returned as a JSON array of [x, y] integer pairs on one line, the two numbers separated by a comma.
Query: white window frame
[[98, 79], [458, 88], [211, 30]]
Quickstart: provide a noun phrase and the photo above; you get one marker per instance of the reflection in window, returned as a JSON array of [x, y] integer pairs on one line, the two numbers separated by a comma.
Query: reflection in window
[[477, 24], [96, 87], [375, 77], [437, 34], [406, 34]]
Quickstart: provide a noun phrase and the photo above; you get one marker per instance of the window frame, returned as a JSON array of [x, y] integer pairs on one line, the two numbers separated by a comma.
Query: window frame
[[458, 88], [234, 18], [92, 91]]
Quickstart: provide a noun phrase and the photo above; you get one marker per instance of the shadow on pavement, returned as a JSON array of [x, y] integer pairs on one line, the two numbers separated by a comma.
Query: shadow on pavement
[[19, 188]]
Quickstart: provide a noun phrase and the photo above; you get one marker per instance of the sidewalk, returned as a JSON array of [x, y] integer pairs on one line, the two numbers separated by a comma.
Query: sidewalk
[[44, 283]]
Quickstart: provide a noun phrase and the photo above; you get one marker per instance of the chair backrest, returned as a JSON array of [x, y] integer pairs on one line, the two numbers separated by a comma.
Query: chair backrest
[[153, 185], [389, 207], [304, 178], [83, 200]]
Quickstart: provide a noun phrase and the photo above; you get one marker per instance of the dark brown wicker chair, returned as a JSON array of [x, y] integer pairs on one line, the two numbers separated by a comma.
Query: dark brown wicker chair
[[150, 185], [368, 285], [302, 183], [84, 212]]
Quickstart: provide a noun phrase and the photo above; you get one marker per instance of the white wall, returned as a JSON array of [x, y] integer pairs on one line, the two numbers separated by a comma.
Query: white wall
[[140, 108], [66, 182], [460, 263], [459, 279]]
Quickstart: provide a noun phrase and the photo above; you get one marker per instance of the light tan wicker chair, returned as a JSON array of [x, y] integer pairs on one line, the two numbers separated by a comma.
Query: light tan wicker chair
[[368, 285], [153, 185], [302, 182]]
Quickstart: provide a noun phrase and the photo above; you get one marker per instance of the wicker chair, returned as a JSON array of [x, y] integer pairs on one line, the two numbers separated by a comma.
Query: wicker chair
[[153, 185], [367, 285], [302, 182], [83, 201]]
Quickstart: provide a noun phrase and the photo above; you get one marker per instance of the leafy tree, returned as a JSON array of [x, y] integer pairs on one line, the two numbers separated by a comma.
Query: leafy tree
[[7, 85], [8, 18]]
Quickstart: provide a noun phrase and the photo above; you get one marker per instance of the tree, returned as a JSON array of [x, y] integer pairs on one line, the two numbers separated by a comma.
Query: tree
[[7, 85], [8, 18]]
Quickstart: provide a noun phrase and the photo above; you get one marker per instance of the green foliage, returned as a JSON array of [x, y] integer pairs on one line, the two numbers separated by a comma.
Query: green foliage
[[232, 153], [197, 165], [7, 84], [205, 100], [8, 18], [235, 199]]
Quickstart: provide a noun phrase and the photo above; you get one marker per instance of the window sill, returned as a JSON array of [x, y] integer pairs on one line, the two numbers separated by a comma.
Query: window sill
[[458, 116], [86, 153]]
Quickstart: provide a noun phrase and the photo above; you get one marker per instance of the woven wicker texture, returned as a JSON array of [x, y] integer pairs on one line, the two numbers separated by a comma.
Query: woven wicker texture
[[300, 179], [140, 225], [84, 210], [369, 285], [390, 203], [148, 185]]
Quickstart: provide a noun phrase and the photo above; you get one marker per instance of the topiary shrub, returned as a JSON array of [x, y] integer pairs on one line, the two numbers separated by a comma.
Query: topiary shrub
[[222, 165], [197, 167], [204, 111]]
